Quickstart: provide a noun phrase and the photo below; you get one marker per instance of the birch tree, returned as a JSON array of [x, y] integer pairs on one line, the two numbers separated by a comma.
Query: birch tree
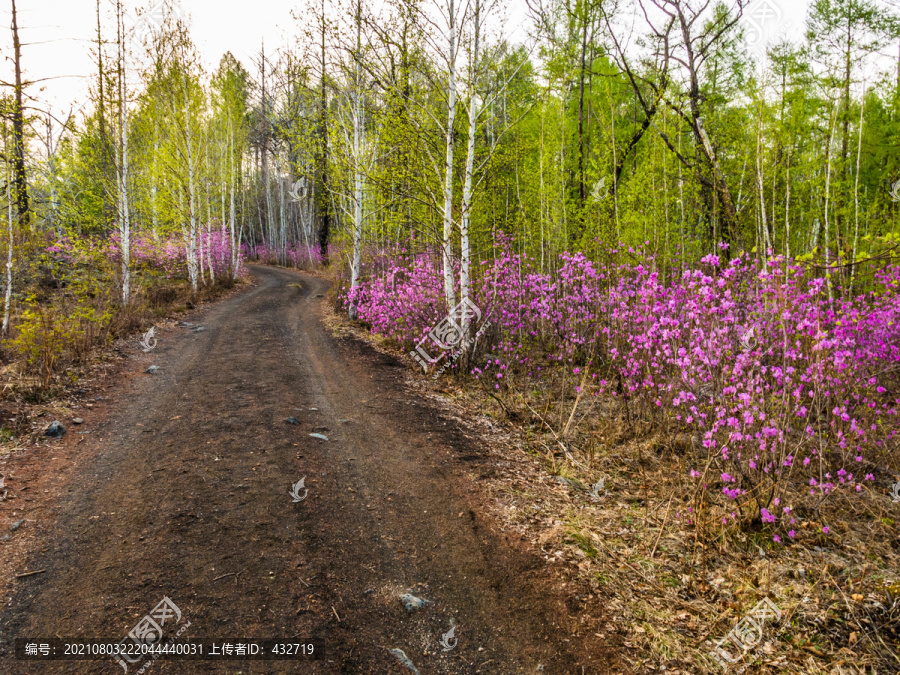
[[124, 220]]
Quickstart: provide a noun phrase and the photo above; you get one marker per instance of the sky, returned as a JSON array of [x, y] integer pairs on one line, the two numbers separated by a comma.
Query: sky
[[57, 34], [57, 38]]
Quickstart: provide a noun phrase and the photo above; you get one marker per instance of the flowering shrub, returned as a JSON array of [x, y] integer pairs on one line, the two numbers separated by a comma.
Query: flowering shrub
[[780, 386], [406, 301], [169, 256], [300, 256]]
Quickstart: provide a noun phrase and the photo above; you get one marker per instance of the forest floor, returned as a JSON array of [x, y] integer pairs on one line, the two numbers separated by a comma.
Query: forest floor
[[176, 484], [606, 501]]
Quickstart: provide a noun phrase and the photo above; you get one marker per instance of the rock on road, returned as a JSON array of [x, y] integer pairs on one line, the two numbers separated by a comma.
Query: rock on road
[[185, 494]]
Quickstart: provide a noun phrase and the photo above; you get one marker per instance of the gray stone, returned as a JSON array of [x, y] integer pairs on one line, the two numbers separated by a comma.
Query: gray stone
[[292, 420], [55, 430], [411, 602], [404, 659], [153, 369]]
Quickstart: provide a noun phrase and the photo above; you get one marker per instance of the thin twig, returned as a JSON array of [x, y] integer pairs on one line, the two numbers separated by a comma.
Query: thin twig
[[665, 520], [230, 574], [29, 574]]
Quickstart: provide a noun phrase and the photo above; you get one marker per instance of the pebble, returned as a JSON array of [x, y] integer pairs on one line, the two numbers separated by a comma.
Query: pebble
[[412, 602], [16, 525], [292, 420], [320, 436], [153, 369], [77, 420]]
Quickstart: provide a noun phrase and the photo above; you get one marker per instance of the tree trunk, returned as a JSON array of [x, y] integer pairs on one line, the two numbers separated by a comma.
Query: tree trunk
[[192, 235], [124, 213], [357, 170], [581, 114], [465, 211], [19, 178], [9, 246], [862, 105], [325, 228], [446, 242]]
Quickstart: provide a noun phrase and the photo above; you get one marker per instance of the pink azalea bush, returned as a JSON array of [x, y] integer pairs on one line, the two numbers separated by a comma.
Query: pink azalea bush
[[301, 256], [166, 255], [781, 386]]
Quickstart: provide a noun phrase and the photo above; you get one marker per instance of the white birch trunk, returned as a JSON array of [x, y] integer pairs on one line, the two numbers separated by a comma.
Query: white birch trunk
[[760, 185], [862, 105], [9, 255], [153, 191], [209, 255], [449, 292], [827, 203], [357, 169], [192, 234], [787, 211], [124, 216], [235, 251], [465, 211]]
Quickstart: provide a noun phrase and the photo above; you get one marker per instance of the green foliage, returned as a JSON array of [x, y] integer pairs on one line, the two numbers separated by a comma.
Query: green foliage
[[50, 338]]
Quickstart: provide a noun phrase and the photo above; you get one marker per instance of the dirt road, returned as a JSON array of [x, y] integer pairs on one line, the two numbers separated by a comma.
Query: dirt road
[[186, 495]]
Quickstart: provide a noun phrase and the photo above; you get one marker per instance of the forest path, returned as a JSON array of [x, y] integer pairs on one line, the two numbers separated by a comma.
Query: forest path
[[186, 495]]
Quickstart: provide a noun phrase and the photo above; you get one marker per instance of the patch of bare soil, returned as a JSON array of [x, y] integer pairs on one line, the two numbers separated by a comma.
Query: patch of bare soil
[[608, 509]]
